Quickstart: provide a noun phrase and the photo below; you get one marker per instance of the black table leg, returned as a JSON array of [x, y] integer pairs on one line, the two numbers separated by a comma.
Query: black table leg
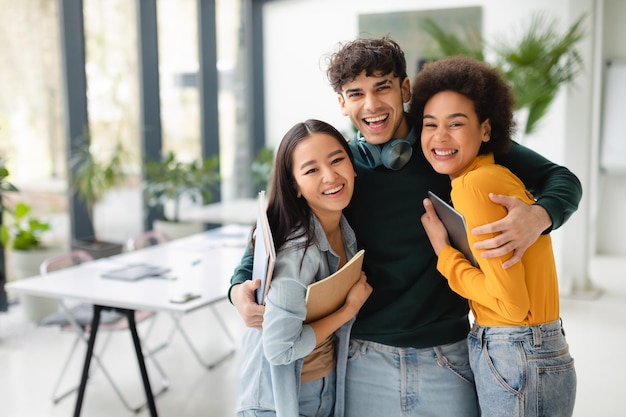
[[95, 323], [132, 325]]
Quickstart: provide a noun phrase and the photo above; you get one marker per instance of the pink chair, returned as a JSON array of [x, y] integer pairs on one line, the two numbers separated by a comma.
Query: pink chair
[[149, 238]]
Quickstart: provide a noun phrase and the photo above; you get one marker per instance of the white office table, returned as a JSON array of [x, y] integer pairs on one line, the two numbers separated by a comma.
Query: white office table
[[200, 264]]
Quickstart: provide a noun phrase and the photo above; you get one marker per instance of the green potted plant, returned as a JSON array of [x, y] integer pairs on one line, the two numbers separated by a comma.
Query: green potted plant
[[25, 232], [93, 176], [536, 64], [261, 168], [23, 239], [169, 181], [5, 187]]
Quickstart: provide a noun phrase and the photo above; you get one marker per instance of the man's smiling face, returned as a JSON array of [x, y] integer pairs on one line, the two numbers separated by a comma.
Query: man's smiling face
[[375, 105]]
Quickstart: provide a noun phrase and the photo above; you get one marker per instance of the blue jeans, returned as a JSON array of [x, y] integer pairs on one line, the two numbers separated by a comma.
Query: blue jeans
[[393, 381], [525, 370], [316, 399]]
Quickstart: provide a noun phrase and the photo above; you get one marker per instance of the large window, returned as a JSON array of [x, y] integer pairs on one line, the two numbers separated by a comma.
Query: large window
[[178, 68], [111, 70], [31, 118], [32, 135], [31, 107]]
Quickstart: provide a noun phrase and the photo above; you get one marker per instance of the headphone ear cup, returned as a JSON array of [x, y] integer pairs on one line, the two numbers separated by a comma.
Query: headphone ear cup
[[396, 154], [369, 153]]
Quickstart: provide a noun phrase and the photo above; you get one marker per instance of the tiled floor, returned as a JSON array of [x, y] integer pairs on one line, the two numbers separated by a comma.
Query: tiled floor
[[30, 361]]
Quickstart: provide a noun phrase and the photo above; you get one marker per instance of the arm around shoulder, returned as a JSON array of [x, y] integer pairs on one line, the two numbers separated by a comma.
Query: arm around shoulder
[[243, 271], [555, 187], [242, 292]]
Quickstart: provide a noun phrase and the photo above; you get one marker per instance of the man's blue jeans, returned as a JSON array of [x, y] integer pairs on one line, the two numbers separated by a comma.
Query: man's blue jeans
[[392, 381], [526, 371]]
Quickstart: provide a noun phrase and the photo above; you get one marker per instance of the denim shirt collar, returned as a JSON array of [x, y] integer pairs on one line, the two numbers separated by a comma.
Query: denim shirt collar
[[349, 237]]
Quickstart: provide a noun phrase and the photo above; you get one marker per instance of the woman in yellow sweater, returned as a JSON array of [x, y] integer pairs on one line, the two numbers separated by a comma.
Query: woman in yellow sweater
[[518, 351]]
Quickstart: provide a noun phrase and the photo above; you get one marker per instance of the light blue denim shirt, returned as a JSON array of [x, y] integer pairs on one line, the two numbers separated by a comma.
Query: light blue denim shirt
[[271, 359]]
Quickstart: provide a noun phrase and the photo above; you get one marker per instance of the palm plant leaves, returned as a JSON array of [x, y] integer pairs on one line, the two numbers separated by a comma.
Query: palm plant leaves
[[536, 65], [92, 178], [451, 44]]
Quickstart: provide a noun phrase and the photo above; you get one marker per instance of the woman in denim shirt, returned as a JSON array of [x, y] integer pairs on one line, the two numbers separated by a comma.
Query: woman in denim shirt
[[290, 368]]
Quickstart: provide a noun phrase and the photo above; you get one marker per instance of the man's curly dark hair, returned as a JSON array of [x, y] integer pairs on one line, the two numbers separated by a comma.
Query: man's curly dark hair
[[377, 56], [476, 80]]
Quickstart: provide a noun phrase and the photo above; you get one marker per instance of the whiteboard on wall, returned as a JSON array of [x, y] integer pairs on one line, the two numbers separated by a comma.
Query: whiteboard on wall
[[613, 139]]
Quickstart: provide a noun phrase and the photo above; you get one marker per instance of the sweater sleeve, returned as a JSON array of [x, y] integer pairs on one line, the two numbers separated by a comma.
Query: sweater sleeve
[[502, 291], [555, 187], [243, 272]]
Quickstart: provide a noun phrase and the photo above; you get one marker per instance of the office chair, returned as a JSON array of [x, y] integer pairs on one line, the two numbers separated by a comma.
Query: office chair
[[78, 317], [156, 237], [149, 238]]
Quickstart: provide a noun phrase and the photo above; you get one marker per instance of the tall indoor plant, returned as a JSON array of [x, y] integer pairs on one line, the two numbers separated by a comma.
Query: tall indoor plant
[[5, 187], [169, 181], [537, 64], [92, 177]]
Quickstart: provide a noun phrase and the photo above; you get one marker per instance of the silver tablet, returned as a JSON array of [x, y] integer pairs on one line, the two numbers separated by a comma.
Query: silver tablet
[[455, 224]]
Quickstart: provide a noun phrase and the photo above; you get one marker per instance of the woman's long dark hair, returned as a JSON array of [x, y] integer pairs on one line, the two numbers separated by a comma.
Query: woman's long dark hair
[[285, 211]]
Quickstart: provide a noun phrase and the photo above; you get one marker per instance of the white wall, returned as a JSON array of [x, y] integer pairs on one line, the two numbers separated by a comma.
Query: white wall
[[610, 188], [300, 33]]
